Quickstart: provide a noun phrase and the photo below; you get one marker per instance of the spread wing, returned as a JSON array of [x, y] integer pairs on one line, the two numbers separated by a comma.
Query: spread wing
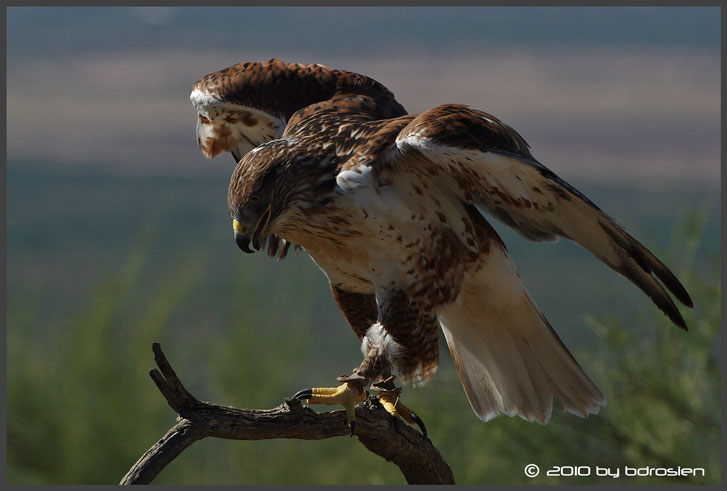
[[489, 165]]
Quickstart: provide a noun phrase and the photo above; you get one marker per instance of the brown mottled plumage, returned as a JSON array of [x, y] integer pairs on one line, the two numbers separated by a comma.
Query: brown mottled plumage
[[359, 309], [390, 208]]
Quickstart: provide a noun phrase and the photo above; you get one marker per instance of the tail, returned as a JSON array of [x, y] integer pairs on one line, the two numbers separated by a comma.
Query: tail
[[509, 358]]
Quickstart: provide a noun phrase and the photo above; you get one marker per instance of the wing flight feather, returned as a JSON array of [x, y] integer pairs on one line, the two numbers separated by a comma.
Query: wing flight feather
[[490, 165]]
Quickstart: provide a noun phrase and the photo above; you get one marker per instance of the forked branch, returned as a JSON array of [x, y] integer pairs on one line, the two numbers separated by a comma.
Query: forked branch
[[416, 457]]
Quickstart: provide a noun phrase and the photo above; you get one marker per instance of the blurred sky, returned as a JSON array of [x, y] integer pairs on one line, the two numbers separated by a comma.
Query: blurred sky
[[610, 93]]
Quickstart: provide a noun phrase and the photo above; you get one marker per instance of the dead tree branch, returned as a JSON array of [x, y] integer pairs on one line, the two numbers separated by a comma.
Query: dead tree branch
[[416, 457]]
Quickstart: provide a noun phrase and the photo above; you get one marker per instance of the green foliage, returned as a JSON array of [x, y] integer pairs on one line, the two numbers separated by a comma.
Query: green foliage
[[76, 391], [82, 409]]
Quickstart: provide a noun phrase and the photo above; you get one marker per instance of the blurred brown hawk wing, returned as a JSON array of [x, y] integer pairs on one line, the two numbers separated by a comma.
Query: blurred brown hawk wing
[[247, 104]]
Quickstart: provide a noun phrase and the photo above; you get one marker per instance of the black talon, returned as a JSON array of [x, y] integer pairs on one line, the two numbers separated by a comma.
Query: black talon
[[303, 394], [352, 424], [419, 421], [395, 419], [373, 401]]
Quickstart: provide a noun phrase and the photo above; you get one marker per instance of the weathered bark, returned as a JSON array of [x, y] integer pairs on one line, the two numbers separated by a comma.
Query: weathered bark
[[414, 454]]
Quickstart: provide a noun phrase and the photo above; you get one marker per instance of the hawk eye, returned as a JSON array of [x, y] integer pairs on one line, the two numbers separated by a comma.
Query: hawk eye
[[255, 199]]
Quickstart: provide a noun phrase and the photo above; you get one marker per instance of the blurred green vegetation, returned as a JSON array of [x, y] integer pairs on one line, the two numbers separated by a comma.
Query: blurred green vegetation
[[249, 331]]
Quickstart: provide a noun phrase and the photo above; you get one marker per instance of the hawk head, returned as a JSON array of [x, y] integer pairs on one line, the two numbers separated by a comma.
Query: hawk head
[[271, 189]]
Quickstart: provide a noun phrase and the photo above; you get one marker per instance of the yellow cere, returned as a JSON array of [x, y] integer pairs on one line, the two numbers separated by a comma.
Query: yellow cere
[[237, 227]]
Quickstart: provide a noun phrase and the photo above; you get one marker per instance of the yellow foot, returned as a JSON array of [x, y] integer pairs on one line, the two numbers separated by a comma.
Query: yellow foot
[[388, 394], [348, 394]]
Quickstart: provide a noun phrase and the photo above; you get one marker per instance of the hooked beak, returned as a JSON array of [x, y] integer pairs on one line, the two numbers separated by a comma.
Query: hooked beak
[[242, 238], [243, 235]]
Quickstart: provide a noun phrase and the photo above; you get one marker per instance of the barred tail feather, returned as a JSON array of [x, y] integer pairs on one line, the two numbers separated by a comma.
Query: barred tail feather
[[509, 358]]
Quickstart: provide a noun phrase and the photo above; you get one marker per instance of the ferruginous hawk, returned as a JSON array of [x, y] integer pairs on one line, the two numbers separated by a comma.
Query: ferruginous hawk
[[390, 206]]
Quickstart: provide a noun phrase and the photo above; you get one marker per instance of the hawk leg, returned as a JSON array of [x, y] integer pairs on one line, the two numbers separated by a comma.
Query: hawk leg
[[348, 394], [352, 391], [388, 395]]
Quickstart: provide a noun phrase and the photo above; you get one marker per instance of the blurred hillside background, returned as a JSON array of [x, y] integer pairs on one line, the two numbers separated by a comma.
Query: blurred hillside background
[[118, 235]]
